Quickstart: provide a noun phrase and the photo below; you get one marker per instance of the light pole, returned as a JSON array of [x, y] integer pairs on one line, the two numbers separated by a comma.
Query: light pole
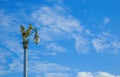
[[25, 37]]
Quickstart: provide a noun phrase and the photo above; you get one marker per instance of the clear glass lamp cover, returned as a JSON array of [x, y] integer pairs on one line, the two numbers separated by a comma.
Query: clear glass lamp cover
[[36, 39]]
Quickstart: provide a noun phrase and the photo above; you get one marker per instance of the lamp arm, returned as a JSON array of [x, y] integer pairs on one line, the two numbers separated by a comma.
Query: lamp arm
[[31, 33]]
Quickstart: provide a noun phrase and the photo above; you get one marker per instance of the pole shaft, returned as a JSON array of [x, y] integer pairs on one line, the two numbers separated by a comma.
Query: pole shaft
[[25, 62]]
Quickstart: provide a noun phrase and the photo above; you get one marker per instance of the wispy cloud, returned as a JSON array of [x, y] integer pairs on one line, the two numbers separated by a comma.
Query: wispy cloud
[[54, 47], [16, 66], [9, 31], [56, 75], [106, 42], [53, 18], [81, 44], [49, 69], [96, 74], [104, 23], [39, 67], [85, 74], [3, 54], [106, 20]]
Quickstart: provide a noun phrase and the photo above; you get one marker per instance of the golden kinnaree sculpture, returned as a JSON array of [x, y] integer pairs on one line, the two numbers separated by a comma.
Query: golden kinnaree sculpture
[[28, 32]]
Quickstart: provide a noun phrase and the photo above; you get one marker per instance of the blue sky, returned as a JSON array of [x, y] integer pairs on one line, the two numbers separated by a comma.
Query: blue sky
[[78, 38]]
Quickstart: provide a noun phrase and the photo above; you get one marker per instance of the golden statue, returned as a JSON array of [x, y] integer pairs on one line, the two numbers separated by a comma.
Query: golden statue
[[26, 33]]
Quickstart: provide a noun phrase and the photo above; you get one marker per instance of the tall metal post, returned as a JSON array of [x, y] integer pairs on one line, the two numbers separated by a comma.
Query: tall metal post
[[25, 47], [25, 62]]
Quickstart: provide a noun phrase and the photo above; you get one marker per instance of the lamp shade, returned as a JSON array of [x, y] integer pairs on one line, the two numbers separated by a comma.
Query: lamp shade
[[36, 38]]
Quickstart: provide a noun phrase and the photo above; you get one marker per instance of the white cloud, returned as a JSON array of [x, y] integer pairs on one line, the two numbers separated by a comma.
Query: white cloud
[[38, 67], [57, 23], [81, 44], [7, 22], [104, 23], [53, 18], [9, 33], [106, 20], [96, 74], [116, 46], [106, 42], [85, 74], [4, 19], [55, 48], [56, 75], [16, 66], [3, 58], [7, 68], [45, 69]]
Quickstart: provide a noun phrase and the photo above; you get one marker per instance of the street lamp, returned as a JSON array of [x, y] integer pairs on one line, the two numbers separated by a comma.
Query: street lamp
[[36, 37], [25, 37]]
